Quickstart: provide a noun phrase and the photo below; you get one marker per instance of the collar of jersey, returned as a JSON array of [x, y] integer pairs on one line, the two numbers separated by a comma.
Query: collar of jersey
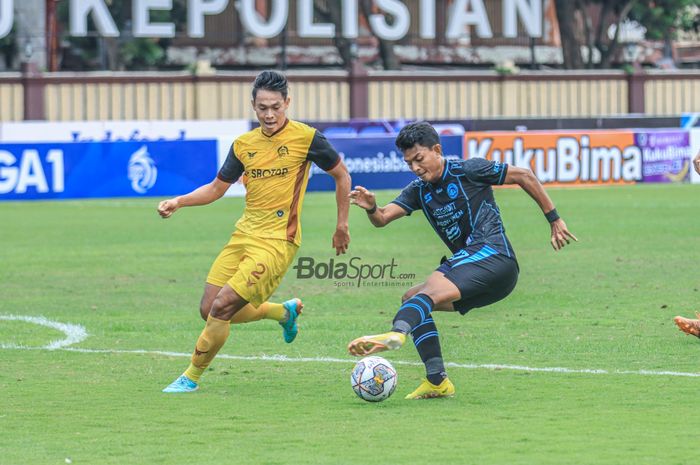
[[286, 122], [445, 172]]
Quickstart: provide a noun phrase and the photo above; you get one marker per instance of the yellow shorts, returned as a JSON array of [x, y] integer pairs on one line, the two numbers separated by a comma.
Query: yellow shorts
[[253, 267]]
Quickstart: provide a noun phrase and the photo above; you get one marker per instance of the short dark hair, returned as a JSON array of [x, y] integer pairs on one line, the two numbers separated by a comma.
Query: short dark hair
[[270, 80], [420, 132]]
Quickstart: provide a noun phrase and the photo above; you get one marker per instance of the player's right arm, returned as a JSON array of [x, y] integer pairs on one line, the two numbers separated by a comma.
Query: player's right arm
[[202, 195], [206, 194], [378, 216]]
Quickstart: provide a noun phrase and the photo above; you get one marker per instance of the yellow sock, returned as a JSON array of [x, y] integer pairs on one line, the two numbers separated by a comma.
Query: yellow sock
[[210, 341], [247, 314], [273, 311], [194, 373], [267, 310]]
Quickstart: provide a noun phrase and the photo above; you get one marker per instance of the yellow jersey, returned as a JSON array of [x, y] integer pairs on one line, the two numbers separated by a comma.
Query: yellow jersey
[[275, 173]]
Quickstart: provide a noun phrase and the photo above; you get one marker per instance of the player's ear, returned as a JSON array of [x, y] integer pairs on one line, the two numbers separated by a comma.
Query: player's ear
[[286, 101], [437, 148]]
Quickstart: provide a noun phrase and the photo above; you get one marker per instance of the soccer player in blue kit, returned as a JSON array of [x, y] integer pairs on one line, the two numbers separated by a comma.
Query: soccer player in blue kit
[[457, 199]]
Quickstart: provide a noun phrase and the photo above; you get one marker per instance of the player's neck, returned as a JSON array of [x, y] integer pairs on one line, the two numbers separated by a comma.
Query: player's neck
[[443, 163], [284, 125]]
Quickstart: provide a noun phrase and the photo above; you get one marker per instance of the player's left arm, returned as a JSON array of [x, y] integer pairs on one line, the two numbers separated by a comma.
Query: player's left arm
[[526, 179], [322, 153], [341, 237], [696, 163]]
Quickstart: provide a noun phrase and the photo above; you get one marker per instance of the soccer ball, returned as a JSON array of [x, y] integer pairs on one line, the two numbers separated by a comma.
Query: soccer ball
[[373, 379]]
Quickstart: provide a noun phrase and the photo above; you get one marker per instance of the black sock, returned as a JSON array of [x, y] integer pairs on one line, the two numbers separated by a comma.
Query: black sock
[[412, 313], [427, 342]]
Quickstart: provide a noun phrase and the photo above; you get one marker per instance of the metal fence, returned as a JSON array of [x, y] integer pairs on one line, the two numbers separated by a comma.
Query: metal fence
[[341, 95], [488, 95], [672, 93], [11, 97]]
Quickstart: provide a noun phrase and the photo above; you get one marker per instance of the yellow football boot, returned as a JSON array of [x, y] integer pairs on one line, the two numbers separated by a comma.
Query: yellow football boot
[[428, 390], [367, 345]]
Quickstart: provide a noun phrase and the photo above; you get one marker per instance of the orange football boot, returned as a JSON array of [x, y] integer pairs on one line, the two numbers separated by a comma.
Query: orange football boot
[[688, 325], [367, 345]]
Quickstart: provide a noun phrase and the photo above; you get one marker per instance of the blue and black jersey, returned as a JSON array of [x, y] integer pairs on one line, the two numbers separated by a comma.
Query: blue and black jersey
[[461, 206]]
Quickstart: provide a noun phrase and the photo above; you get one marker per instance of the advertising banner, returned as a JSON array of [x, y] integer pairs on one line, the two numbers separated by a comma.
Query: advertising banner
[[690, 120], [374, 128], [665, 155], [375, 162], [694, 152], [114, 131], [565, 158], [105, 169], [223, 146]]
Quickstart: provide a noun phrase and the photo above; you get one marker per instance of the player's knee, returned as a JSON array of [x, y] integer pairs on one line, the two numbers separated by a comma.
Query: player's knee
[[439, 297], [226, 304], [407, 295], [410, 293], [222, 308], [204, 310], [205, 305]]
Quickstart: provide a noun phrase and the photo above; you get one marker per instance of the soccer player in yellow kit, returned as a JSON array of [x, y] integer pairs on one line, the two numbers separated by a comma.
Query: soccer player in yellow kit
[[274, 161]]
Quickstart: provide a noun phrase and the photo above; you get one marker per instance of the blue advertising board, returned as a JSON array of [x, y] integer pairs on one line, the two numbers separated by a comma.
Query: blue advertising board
[[375, 162], [690, 120], [105, 169]]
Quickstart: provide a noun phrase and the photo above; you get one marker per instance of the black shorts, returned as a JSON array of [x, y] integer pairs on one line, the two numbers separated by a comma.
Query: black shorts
[[482, 275]]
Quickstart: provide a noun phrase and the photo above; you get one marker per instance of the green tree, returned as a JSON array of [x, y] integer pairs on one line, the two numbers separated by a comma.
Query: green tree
[[329, 11], [124, 52], [664, 18], [578, 26], [8, 47]]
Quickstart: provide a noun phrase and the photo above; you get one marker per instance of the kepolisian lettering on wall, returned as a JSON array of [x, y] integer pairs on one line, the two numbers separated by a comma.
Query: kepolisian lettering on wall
[[87, 17]]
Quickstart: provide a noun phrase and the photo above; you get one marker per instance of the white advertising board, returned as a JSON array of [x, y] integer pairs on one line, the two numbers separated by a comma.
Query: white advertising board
[[694, 151], [224, 144], [106, 131]]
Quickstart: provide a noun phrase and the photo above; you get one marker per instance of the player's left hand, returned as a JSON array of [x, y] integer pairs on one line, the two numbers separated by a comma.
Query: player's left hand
[[561, 235], [696, 163], [341, 240], [362, 198]]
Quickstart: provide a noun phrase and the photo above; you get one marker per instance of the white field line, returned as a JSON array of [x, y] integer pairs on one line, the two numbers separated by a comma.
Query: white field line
[[76, 333]]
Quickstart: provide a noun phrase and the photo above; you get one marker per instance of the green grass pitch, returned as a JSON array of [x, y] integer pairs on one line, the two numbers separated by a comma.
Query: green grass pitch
[[133, 281]]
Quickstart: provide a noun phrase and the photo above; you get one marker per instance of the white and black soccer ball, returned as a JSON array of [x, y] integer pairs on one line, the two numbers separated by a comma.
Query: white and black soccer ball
[[373, 379]]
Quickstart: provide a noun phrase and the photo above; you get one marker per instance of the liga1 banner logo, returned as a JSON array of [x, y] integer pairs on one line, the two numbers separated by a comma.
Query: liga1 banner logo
[[566, 158], [76, 170]]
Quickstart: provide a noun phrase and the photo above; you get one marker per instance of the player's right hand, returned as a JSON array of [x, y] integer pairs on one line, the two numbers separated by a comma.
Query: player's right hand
[[362, 198], [167, 207]]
